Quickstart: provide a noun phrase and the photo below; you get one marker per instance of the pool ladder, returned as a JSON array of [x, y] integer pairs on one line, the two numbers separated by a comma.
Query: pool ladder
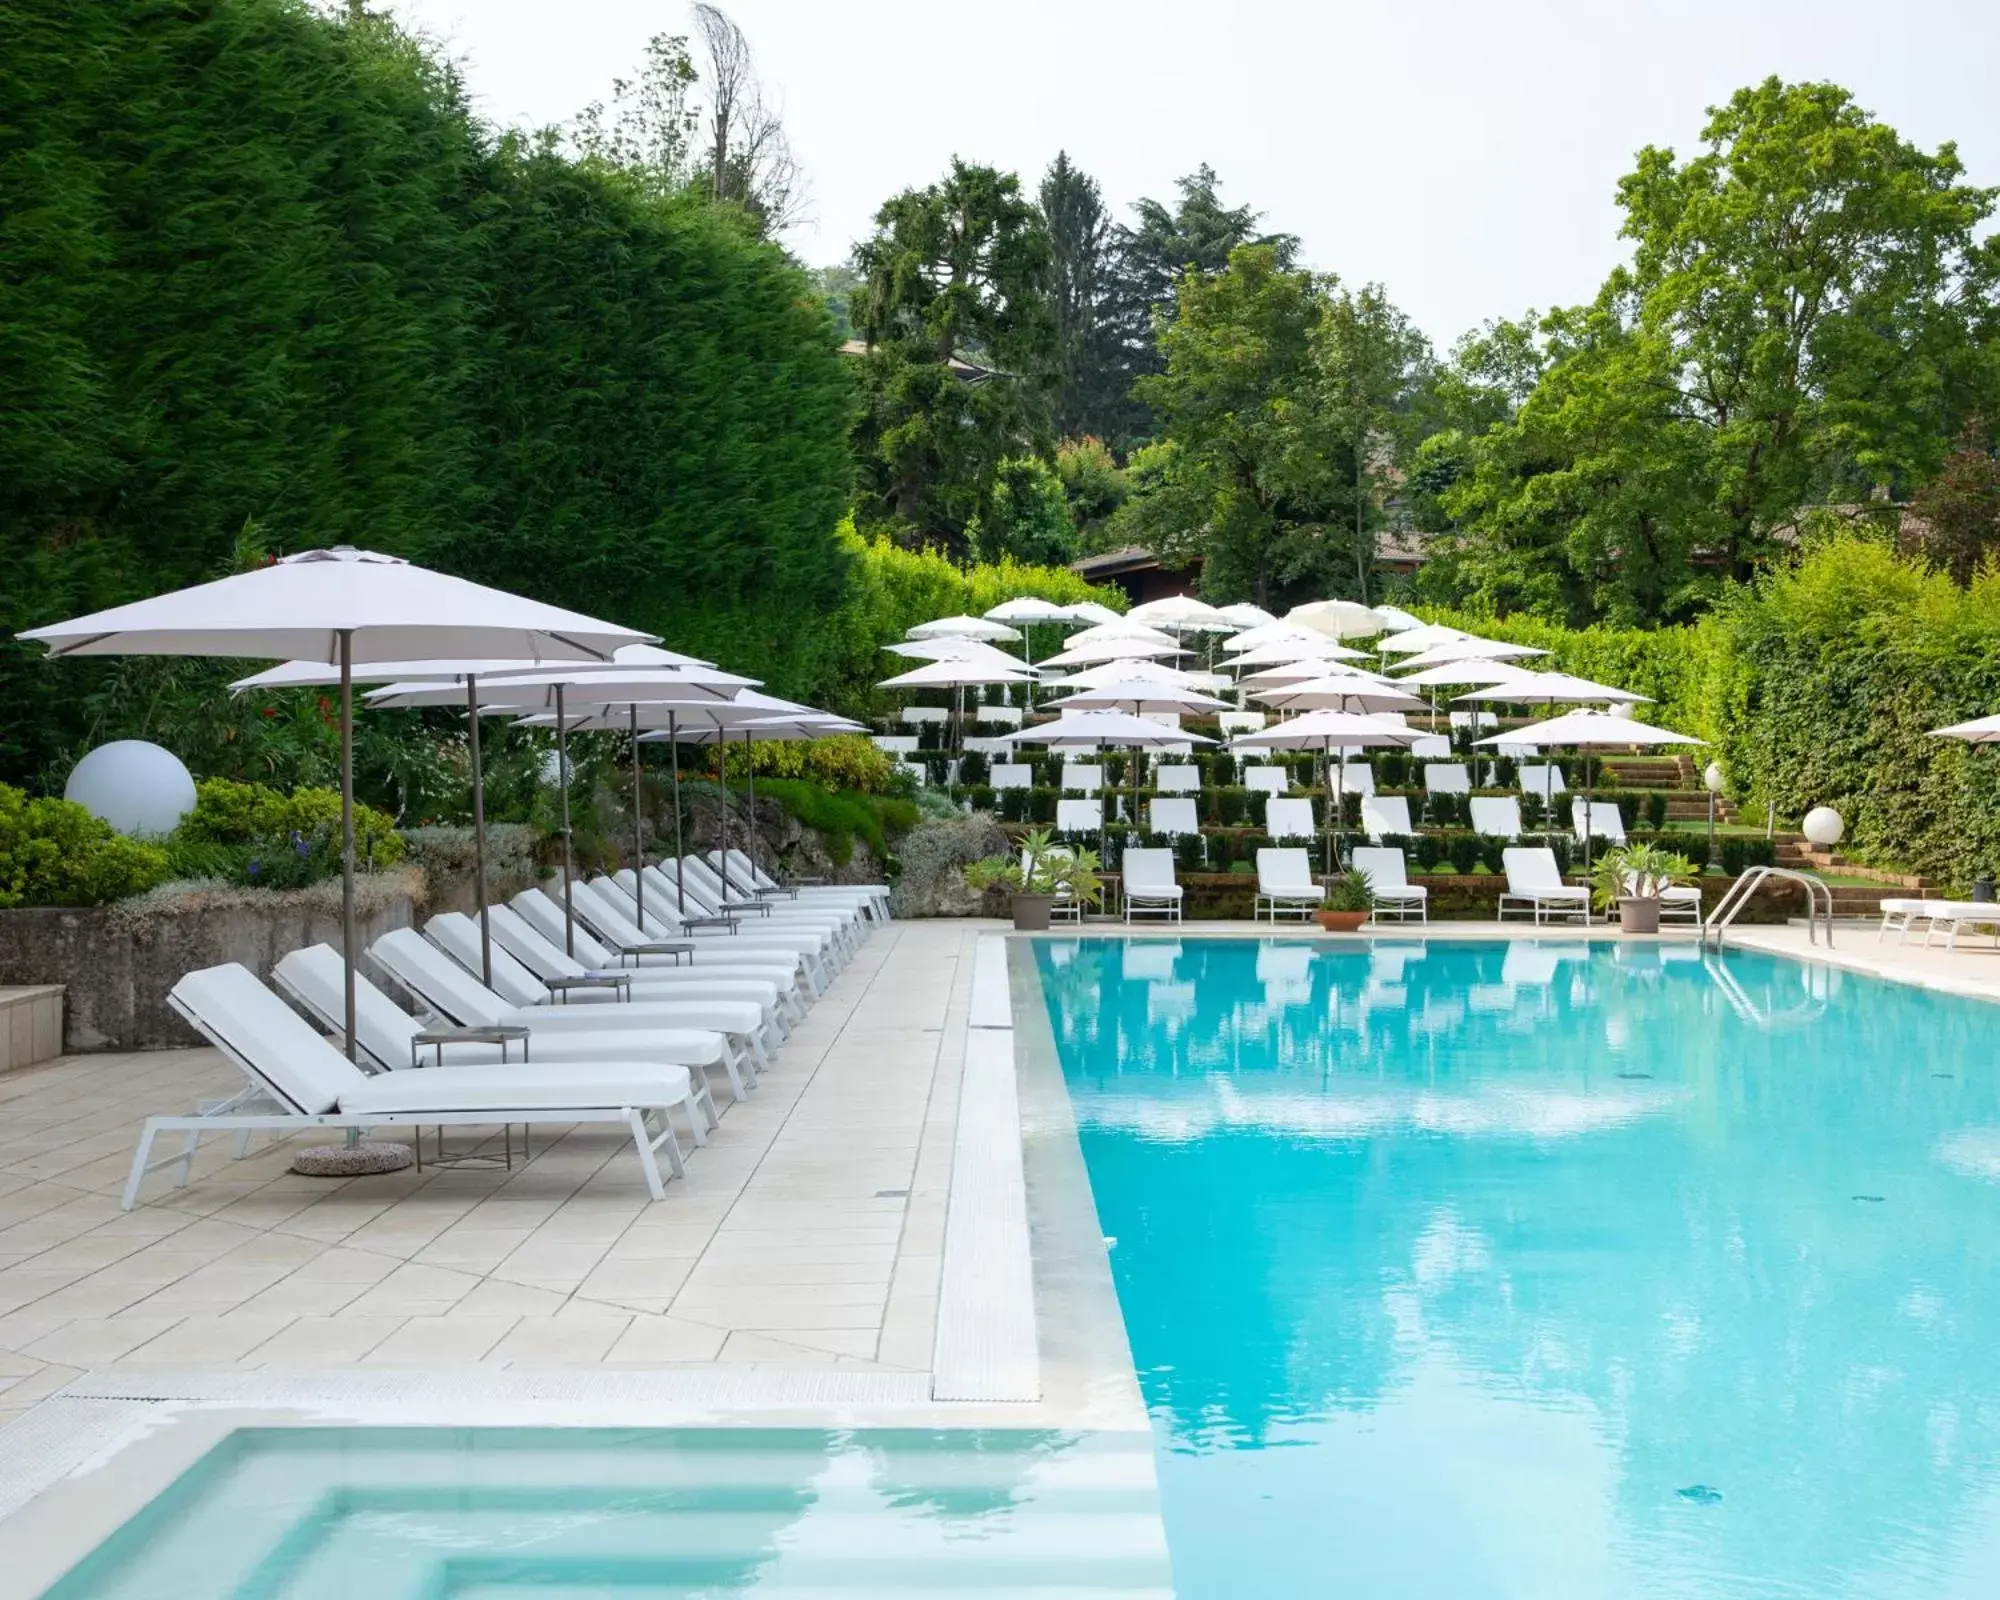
[[1819, 903]]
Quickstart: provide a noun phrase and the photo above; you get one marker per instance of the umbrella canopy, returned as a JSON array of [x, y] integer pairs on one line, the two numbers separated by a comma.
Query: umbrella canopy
[[1425, 636], [958, 675], [1245, 615], [964, 627], [1090, 611], [1028, 608], [536, 691], [1301, 671], [1589, 729], [1127, 670], [1985, 730], [1183, 613], [1139, 695], [300, 608], [951, 648], [1121, 629], [1278, 652], [1470, 649], [1397, 617], [341, 606], [1271, 632], [1327, 729], [1547, 688], [1102, 727], [1119, 648], [1337, 619], [1480, 674], [1336, 692]]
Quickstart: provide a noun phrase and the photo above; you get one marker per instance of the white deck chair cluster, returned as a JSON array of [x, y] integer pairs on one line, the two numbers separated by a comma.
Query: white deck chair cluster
[[296, 1081]]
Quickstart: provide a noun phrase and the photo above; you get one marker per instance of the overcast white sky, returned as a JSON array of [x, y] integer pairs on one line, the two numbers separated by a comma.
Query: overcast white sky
[[1464, 153]]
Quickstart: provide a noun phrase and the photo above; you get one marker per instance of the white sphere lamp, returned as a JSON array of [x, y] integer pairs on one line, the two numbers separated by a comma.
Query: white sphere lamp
[[1822, 825], [135, 786], [1712, 779]]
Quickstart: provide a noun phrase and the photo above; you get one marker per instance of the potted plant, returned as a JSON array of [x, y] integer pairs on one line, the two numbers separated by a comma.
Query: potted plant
[[1633, 877], [1349, 902], [1045, 873]]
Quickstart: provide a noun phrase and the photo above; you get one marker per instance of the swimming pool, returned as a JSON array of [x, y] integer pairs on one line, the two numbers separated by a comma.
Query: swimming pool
[[671, 1514], [1543, 1269]]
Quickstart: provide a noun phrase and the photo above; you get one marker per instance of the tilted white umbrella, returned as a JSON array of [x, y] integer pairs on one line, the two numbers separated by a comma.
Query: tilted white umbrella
[[1121, 647], [1424, 636], [1983, 730], [951, 648], [1127, 669], [1524, 688], [1182, 613], [1397, 617], [1470, 650], [958, 674], [1028, 608], [1587, 731], [1337, 619], [1272, 632], [1245, 615], [964, 627], [1279, 652], [1123, 628], [1138, 696], [1328, 731], [1450, 674], [1090, 612], [1300, 671], [1339, 692], [344, 607]]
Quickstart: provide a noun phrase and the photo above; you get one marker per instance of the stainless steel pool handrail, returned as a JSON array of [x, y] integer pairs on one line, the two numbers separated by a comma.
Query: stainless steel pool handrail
[[1819, 903]]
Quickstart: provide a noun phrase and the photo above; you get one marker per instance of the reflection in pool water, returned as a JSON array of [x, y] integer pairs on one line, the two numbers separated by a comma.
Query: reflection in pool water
[[1548, 1269]]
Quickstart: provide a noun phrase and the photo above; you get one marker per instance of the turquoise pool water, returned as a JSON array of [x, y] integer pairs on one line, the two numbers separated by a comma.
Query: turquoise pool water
[[1540, 1270], [565, 1514]]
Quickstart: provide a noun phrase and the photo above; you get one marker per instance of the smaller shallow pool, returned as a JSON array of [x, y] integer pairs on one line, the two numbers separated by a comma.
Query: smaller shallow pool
[[564, 1513]]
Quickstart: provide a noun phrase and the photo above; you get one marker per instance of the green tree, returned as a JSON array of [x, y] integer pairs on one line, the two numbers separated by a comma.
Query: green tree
[[1807, 315], [956, 276], [1027, 518], [1096, 486], [1959, 509], [1092, 386]]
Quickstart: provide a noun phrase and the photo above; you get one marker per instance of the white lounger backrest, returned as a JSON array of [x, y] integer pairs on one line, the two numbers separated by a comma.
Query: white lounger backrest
[[1241, 721], [435, 979], [316, 978], [1432, 747], [457, 935], [1289, 819], [740, 862], [1475, 719], [1355, 777], [1268, 780], [1081, 777], [248, 1021], [1079, 816], [1383, 868], [1148, 869], [1544, 778], [513, 933], [1531, 869], [1496, 816], [543, 913], [1177, 779], [1447, 777], [1285, 872], [608, 919], [1012, 775], [1386, 815], [1174, 817], [1607, 822]]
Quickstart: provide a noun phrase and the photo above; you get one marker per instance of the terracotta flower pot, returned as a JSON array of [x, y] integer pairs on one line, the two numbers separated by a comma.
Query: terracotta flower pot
[[1340, 921], [1639, 915], [1031, 912]]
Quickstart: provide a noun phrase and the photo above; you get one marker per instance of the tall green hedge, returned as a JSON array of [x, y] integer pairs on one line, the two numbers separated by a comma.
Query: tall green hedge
[[261, 273]]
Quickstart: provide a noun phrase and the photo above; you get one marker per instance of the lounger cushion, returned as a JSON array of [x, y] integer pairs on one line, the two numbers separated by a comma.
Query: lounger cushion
[[240, 1012]]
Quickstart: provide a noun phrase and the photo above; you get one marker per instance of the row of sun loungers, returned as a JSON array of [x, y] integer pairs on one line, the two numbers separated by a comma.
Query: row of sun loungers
[[1385, 816], [680, 974]]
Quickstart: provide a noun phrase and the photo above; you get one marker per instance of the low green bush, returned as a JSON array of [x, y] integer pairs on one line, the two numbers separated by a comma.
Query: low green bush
[[55, 853], [840, 816], [267, 820]]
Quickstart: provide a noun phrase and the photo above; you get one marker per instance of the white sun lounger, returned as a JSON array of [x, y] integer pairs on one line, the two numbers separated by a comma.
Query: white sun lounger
[[1389, 881], [1289, 819], [1607, 822], [1080, 816], [457, 935], [1150, 889], [1174, 816], [842, 928], [1447, 777], [446, 989], [1268, 780], [388, 1035], [1534, 885], [305, 1084], [1081, 777], [1386, 816], [1544, 779], [609, 912], [1431, 747], [1173, 779], [1678, 902], [739, 932], [872, 898], [543, 914], [1011, 775], [1496, 816], [1355, 777], [1285, 883], [1950, 917]]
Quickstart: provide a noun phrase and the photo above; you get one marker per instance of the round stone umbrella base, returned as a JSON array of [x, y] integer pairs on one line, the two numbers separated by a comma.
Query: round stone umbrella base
[[351, 1160]]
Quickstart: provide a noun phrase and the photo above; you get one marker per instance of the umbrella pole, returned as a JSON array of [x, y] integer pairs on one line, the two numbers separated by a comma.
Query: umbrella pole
[[479, 833], [1335, 790], [680, 847], [722, 777], [750, 755], [562, 788], [347, 826], [638, 826]]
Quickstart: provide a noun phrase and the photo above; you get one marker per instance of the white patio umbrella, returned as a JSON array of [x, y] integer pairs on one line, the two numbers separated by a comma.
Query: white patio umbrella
[[964, 627], [1278, 652], [1470, 650], [1182, 613], [958, 676], [1453, 674], [627, 682], [1245, 615], [1138, 696], [1301, 671], [951, 648], [1397, 617], [1337, 619], [1328, 731], [1123, 628], [344, 607], [1094, 728], [1090, 612], [1127, 669], [1588, 731], [1270, 632], [1524, 688], [1114, 648], [1983, 730], [1424, 636], [1339, 692], [1026, 609]]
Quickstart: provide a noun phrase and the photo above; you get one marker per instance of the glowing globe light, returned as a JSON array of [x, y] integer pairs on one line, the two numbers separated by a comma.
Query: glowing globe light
[[1822, 825], [136, 787]]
